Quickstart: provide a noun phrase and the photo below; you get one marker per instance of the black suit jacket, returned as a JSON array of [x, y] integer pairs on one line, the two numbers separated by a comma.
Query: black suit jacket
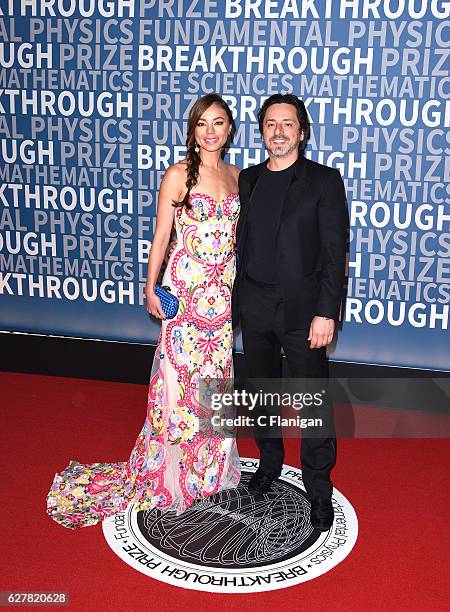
[[311, 241]]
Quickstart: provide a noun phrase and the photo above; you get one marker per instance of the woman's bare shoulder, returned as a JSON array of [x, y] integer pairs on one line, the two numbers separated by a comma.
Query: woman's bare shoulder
[[173, 185], [177, 171], [175, 175]]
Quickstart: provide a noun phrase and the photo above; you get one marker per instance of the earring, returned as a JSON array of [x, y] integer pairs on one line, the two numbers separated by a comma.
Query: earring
[[196, 148]]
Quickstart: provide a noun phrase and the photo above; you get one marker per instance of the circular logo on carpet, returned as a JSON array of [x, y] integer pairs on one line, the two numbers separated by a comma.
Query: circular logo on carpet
[[234, 542]]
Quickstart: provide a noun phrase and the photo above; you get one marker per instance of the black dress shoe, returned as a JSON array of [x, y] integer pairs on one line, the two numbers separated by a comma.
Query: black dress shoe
[[261, 481], [322, 514]]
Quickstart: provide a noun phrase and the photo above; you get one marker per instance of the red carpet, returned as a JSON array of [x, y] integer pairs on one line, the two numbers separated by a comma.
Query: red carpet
[[399, 489]]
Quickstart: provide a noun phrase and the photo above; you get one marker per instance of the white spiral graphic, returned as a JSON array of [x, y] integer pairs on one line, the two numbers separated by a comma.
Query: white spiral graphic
[[234, 528]]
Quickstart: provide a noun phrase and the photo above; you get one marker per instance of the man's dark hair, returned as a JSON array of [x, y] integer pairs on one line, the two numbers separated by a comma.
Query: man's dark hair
[[302, 115]]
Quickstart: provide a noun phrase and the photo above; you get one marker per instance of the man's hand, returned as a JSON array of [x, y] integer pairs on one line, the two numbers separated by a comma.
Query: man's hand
[[321, 332]]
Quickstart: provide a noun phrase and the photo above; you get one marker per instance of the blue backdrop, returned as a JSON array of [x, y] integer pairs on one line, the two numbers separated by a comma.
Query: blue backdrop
[[94, 99]]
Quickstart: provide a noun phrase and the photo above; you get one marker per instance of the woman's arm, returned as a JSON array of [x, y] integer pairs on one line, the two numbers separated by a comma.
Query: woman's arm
[[171, 190]]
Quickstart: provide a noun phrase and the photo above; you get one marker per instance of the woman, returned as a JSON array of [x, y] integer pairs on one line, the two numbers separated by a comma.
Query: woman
[[172, 464]]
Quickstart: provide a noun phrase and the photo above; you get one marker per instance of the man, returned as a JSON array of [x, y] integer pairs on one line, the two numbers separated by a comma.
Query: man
[[291, 245]]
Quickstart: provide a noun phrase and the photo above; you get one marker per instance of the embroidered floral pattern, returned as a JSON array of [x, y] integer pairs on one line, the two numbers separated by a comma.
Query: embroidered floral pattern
[[173, 462]]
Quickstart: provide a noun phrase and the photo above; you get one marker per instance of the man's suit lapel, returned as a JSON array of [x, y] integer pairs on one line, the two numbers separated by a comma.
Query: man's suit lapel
[[246, 202], [295, 191]]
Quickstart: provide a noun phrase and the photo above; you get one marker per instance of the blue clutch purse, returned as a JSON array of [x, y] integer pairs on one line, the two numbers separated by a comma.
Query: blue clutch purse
[[169, 302]]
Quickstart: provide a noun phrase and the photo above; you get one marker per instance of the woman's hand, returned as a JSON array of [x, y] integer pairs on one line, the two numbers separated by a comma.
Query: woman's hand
[[154, 305]]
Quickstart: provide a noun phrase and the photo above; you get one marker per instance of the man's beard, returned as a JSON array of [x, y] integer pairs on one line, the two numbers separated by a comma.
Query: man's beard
[[282, 153]]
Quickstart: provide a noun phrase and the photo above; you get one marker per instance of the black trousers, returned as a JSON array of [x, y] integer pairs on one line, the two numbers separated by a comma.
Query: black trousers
[[263, 336]]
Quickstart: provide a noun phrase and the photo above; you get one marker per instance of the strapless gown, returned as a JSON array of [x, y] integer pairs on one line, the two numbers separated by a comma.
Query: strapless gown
[[172, 463]]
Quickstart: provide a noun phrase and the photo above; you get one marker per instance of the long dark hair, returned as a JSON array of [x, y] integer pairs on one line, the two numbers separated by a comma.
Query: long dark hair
[[302, 114], [192, 157]]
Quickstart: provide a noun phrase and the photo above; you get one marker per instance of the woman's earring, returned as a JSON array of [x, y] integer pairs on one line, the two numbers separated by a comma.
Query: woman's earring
[[196, 148]]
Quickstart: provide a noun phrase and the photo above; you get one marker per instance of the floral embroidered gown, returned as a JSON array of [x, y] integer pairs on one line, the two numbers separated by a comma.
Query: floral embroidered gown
[[172, 463]]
